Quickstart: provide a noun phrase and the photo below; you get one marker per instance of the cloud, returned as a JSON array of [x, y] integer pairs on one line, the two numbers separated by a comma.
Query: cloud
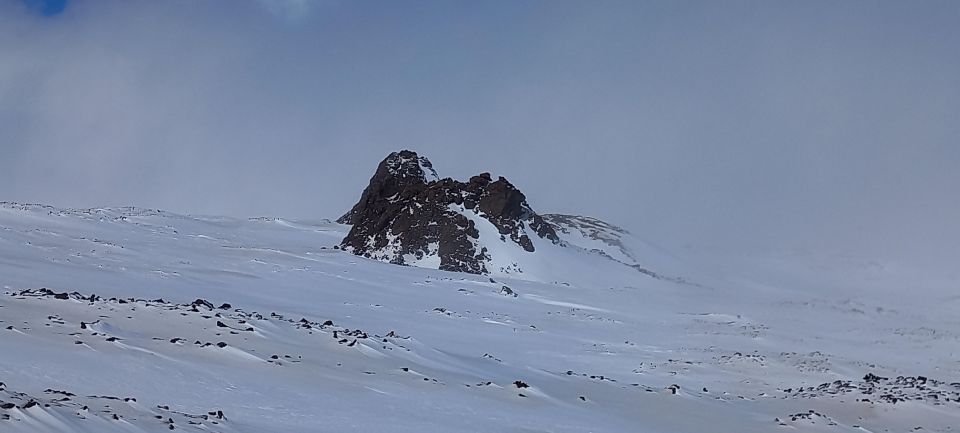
[[830, 126]]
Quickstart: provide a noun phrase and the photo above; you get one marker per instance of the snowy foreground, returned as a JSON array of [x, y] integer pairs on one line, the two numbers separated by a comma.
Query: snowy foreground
[[114, 320]]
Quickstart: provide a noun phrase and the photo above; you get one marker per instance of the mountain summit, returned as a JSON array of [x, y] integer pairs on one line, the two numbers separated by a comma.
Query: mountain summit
[[407, 215]]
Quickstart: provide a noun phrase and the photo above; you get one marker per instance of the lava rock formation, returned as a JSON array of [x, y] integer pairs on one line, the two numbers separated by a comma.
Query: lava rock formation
[[407, 216]]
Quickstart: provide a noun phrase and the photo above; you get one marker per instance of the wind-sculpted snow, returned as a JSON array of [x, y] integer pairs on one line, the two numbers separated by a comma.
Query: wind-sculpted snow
[[119, 320]]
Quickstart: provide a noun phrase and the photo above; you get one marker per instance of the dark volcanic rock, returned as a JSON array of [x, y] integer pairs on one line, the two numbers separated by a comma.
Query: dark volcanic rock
[[407, 214], [395, 175], [202, 303]]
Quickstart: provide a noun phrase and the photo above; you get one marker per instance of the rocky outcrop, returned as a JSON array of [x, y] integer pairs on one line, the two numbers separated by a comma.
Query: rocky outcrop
[[399, 173], [407, 215]]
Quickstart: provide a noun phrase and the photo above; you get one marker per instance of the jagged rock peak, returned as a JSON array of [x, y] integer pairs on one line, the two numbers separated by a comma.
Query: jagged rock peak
[[407, 215], [407, 164], [397, 172]]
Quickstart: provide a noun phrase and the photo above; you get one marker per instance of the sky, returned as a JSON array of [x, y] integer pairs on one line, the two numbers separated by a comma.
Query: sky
[[744, 125]]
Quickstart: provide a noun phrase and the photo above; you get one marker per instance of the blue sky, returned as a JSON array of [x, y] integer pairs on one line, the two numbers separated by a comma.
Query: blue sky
[[47, 8], [742, 123]]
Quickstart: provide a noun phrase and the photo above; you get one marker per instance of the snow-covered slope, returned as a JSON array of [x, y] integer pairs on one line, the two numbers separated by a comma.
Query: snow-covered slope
[[260, 325], [550, 262], [618, 244]]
